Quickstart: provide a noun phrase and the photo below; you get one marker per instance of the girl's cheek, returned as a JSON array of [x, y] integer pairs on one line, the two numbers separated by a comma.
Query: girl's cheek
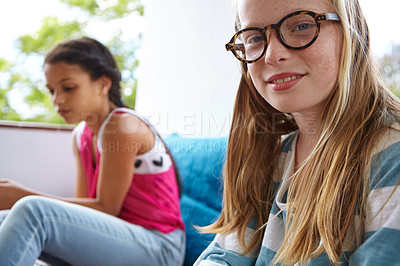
[[252, 73]]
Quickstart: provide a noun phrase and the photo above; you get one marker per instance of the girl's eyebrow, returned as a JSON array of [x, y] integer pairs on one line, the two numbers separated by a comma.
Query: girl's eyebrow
[[64, 79], [60, 81]]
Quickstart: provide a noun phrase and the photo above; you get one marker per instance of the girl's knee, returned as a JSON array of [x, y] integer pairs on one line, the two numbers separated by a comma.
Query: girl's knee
[[29, 202], [35, 206]]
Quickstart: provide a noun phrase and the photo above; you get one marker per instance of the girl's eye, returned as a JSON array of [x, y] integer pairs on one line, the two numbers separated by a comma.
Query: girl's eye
[[303, 26], [256, 39], [51, 91], [253, 38], [68, 89]]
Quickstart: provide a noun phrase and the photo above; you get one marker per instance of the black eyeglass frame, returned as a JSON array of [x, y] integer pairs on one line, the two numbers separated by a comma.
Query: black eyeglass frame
[[319, 18]]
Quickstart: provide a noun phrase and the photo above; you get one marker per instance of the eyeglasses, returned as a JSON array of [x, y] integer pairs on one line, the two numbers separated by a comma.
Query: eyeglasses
[[296, 31]]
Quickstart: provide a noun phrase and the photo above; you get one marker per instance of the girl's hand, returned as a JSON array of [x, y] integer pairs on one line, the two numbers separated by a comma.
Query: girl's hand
[[11, 192]]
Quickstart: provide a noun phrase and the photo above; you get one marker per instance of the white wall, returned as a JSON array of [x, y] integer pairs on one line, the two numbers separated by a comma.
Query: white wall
[[187, 85], [188, 81], [37, 158]]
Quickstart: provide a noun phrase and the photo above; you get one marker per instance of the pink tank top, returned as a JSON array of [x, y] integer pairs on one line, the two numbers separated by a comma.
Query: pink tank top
[[153, 198]]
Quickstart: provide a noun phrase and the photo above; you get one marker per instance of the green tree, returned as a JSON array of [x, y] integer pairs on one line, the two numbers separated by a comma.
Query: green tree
[[23, 78]]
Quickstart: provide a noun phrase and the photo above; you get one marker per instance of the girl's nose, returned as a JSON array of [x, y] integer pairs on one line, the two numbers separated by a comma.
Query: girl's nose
[[57, 98], [276, 51]]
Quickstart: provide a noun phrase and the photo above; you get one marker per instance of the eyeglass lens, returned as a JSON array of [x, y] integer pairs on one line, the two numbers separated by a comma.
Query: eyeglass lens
[[296, 32]]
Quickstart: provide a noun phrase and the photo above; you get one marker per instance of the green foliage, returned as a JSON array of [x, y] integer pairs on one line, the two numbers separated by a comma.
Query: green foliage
[[4, 64], [107, 9], [9, 79], [29, 83], [87, 5], [52, 32], [36, 100], [126, 60], [6, 112]]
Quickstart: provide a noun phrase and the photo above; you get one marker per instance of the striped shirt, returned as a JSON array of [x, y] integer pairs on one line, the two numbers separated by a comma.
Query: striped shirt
[[376, 243]]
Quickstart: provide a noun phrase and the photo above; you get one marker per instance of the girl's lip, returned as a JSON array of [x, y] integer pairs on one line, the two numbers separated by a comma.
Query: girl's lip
[[63, 112], [284, 81], [281, 77]]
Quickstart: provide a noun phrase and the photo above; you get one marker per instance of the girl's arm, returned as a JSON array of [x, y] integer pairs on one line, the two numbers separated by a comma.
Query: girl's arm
[[128, 136], [124, 137], [382, 212], [226, 250], [11, 192], [81, 189]]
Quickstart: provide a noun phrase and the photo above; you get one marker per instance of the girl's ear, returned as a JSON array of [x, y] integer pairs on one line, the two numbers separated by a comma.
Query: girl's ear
[[105, 84]]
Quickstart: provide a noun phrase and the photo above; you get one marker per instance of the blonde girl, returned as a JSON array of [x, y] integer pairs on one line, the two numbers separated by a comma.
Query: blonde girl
[[313, 168]]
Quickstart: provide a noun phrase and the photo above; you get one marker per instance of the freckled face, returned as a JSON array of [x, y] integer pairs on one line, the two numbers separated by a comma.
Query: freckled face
[[75, 95], [294, 81]]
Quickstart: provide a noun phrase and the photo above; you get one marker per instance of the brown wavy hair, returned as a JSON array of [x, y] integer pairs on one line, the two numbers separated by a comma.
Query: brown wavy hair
[[354, 119]]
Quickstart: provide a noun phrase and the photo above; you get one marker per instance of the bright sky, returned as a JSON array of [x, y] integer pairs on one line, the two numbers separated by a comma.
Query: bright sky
[[18, 17], [383, 21]]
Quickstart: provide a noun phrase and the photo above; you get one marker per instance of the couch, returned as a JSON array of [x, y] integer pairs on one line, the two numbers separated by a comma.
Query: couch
[[200, 162]]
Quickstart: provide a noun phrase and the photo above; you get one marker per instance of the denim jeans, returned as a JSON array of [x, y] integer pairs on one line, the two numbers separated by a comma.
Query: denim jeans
[[62, 233]]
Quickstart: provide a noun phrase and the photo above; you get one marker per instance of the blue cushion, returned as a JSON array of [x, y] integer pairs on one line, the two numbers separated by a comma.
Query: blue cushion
[[200, 162], [195, 213]]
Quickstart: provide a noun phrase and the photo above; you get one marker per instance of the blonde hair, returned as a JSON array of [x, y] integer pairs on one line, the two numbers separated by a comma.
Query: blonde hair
[[355, 117]]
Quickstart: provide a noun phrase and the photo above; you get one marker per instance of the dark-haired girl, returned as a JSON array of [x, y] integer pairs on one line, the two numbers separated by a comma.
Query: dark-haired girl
[[126, 205]]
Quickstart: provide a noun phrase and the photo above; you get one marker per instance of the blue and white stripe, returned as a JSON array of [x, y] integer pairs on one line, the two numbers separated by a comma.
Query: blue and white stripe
[[375, 242]]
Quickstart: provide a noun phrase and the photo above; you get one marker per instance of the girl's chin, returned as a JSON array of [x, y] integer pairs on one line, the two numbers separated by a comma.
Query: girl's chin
[[71, 120], [283, 108]]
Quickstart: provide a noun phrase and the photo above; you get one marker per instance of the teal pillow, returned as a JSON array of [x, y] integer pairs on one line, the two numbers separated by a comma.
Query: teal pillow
[[200, 162]]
